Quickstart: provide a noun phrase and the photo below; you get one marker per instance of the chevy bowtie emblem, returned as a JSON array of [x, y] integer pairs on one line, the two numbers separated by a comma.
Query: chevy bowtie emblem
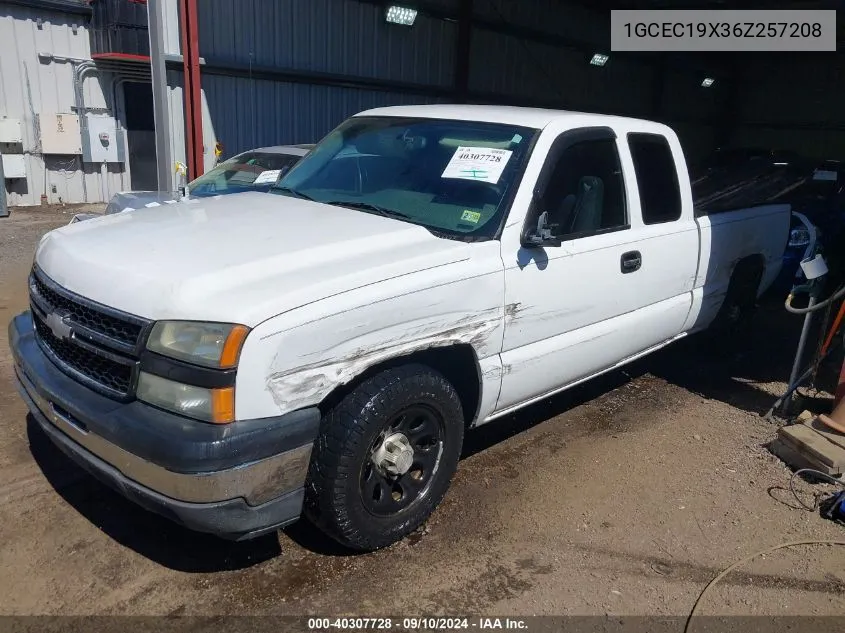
[[58, 326]]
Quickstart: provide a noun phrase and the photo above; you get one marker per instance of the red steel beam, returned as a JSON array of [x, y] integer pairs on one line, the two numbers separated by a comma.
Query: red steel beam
[[122, 57], [192, 89]]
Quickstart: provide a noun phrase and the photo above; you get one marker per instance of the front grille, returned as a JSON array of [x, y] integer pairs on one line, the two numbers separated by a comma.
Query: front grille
[[99, 345], [103, 371], [112, 327]]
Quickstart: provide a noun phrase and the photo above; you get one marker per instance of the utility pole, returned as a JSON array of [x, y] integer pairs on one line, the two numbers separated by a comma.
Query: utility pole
[[4, 208], [161, 113]]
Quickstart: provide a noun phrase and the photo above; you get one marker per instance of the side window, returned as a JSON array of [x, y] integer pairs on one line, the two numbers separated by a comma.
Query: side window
[[657, 178], [586, 193]]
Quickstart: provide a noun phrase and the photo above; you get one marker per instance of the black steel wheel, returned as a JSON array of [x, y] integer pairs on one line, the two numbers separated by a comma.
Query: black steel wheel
[[385, 456], [403, 461]]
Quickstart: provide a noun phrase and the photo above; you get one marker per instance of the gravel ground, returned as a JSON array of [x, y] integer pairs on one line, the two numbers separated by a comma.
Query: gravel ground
[[624, 496]]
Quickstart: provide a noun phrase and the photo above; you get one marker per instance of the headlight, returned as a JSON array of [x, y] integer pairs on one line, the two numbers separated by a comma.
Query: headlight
[[209, 405], [798, 238], [215, 345]]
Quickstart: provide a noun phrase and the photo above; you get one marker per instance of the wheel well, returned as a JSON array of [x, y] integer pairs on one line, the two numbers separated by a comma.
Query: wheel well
[[457, 363], [747, 271]]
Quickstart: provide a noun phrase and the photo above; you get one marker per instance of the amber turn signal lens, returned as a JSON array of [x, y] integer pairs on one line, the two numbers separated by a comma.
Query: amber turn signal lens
[[232, 346], [223, 405]]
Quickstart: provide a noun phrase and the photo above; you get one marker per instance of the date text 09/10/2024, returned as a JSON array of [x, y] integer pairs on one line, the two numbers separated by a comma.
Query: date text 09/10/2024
[[415, 624]]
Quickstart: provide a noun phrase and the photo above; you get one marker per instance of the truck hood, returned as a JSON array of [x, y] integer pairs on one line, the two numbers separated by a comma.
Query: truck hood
[[241, 258]]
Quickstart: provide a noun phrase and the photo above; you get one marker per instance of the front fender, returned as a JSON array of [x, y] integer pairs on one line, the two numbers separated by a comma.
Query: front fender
[[297, 359]]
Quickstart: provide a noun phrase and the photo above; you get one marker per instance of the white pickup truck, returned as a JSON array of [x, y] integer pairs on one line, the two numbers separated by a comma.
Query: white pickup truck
[[234, 364]]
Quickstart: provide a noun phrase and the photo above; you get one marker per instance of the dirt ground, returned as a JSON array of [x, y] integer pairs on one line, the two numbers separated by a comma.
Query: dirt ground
[[624, 496]]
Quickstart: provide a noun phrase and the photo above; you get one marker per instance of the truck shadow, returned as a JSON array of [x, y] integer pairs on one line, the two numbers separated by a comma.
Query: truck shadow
[[146, 533], [706, 364], [748, 373]]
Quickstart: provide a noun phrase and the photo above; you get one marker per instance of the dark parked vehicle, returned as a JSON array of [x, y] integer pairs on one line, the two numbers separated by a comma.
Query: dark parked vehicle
[[821, 198]]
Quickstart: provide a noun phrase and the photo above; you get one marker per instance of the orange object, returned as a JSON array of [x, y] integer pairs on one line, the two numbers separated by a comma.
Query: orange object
[[833, 421], [223, 405], [232, 346]]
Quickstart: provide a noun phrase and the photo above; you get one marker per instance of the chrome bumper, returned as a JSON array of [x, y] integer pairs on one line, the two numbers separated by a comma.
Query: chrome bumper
[[256, 482], [236, 480]]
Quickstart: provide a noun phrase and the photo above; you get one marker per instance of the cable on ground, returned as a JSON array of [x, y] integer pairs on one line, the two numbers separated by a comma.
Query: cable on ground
[[742, 562], [817, 496]]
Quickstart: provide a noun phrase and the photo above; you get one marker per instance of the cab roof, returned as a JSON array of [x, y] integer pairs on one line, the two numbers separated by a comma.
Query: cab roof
[[537, 118]]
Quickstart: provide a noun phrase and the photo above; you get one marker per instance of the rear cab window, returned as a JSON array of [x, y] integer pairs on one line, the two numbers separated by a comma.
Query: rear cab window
[[657, 177]]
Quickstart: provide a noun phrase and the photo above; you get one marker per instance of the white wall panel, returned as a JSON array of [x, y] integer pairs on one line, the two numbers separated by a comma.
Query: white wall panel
[[36, 76]]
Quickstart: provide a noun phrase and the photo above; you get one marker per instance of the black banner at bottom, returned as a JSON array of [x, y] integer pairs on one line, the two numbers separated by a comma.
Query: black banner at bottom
[[427, 624]]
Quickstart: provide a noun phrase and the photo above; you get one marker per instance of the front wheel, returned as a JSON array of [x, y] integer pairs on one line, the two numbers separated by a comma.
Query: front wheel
[[385, 456]]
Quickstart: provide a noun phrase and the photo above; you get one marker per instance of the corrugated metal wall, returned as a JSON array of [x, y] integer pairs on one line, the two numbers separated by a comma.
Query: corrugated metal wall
[[271, 112], [31, 85], [801, 107], [507, 65], [250, 40], [627, 85], [120, 26], [552, 16], [330, 37]]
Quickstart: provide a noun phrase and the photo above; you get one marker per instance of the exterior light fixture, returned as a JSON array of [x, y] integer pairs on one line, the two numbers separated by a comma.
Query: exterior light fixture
[[707, 82], [599, 60], [400, 15]]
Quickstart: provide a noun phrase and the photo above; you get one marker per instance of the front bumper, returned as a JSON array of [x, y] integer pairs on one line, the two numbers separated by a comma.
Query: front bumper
[[237, 481]]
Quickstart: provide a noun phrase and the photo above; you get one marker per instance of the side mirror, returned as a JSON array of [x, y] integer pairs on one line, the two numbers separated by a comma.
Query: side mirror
[[542, 235]]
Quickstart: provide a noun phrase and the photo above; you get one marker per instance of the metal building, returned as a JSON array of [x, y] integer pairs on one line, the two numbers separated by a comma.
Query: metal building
[[68, 114], [288, 71], [262, 72]]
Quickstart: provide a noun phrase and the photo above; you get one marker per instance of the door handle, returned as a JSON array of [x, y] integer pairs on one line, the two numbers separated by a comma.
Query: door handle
[[631, 262]]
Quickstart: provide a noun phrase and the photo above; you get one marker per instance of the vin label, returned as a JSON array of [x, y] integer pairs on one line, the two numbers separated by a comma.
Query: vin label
[[725, 31]]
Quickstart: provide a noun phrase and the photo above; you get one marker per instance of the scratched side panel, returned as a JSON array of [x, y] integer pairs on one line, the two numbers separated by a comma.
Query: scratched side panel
[[571, 356], [295, 360]]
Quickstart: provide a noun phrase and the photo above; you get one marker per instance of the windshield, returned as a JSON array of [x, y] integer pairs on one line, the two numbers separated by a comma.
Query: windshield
[[454, 177], [250, 171]]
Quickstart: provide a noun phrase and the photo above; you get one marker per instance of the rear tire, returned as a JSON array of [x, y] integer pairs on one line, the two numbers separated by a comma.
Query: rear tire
[[384, 458], [735, 317]]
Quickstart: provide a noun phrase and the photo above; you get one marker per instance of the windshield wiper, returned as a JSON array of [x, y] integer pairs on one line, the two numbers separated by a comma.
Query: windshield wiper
[[366, 206], [298, 194]]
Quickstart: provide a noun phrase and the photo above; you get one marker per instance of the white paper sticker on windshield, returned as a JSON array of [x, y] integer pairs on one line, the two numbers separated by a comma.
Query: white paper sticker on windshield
[[824, 174], [483, 164], [271, 175], [150, 205]]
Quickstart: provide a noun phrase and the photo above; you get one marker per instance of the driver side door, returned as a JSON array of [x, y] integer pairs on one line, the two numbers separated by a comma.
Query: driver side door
[[580, 307]]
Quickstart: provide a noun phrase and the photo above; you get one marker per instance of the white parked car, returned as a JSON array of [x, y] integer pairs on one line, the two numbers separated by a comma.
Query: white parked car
[[254, 170], [234, 363]]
